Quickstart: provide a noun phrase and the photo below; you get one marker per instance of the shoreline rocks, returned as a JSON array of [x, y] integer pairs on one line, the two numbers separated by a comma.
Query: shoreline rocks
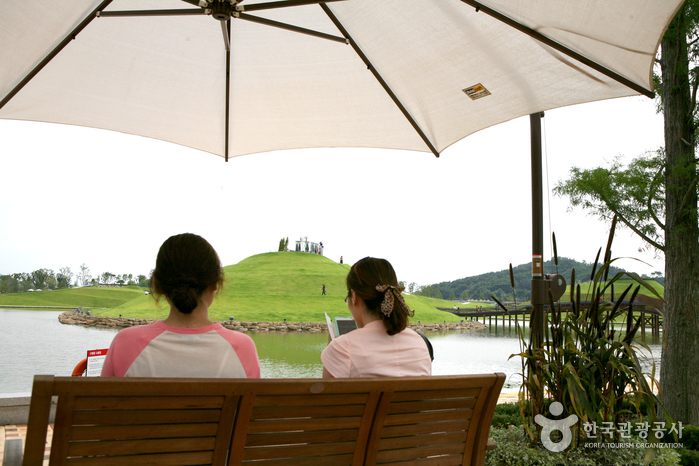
[[78, 318]]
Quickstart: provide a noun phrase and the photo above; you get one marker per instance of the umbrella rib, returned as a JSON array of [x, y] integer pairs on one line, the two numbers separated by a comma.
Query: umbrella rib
[[380, 79], [125, 13], [560, 47], [289, 27], [282, 4], [226, 34], [54, 52]]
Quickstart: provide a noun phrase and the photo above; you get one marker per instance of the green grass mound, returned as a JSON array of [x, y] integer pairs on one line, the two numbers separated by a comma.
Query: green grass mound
[[74, 297], [275, 286]]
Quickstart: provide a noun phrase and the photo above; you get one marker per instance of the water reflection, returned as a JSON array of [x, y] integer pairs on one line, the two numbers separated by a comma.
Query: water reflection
[[290, 354], [34, 342]]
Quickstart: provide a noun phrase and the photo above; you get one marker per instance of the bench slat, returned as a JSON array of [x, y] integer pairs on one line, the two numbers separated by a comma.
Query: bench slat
[[140, 447], [277, 438], [439, 394], [339, 460], [143, 432], [427, 428], [169, 459], [434, 416], [154, 402], [431, 405], [304, 424], [421, 440], [419, 452], [307, 411], [142, 386], [319, 451], [112, 418], [312, 400], [454, 460]]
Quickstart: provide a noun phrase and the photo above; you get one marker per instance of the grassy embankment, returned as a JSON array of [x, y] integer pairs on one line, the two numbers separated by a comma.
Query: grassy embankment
[[267, 287], [619, 287]]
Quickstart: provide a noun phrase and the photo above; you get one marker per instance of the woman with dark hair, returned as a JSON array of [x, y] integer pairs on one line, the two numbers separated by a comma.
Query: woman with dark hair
[[187, 344], [382, 345]]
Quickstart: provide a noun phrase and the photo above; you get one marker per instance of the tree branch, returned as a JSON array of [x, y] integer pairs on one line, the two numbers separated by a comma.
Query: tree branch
[[645, 238], [692, 187], [693, 105], [651, 194]]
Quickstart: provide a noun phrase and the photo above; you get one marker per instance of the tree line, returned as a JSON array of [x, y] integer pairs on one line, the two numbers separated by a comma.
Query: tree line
[[47, 279], [498, 283]]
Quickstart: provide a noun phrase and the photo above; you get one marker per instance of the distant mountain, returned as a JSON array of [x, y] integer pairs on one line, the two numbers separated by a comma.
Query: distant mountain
[[498, 283]]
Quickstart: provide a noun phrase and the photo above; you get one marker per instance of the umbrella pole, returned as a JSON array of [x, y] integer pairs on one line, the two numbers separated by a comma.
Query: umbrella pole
[[538, 285], [536, 322]]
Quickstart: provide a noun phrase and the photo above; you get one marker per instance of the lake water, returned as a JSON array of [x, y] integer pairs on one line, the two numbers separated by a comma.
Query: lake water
[[35, 342]]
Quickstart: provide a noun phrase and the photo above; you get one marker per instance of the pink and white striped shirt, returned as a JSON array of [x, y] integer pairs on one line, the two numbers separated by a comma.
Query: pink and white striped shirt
[[159, 350]]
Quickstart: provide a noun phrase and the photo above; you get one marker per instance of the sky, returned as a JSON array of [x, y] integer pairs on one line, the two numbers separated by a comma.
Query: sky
[[72, 196]]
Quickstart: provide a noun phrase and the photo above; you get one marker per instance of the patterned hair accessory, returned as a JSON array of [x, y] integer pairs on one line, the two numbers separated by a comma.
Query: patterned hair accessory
[[390, 293]]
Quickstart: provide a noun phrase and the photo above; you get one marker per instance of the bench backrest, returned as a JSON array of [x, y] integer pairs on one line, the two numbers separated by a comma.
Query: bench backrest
[[443, 420]]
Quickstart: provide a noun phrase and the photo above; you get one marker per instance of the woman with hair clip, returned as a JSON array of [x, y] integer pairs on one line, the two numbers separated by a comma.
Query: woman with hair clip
[[187, 344], [382, 345]]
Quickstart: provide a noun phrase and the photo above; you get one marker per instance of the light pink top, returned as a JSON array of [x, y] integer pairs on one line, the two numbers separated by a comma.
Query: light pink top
[[370, 352], [159, 350]]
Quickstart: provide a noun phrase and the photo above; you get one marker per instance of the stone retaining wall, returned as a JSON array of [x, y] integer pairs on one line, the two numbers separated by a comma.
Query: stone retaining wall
[[78, 318]]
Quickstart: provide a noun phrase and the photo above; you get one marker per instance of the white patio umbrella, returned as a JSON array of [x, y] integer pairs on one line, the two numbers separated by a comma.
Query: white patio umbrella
[[234, 78]]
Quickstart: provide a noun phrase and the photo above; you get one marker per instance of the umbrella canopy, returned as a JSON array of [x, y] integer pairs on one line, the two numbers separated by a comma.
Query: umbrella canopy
[[403, 74]]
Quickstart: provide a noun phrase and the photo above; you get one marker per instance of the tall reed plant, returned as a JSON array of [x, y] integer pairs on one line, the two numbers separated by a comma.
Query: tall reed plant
[[589, 360]]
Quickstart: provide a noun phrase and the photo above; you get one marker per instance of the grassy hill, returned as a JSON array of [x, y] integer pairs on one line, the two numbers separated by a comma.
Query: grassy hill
[[75, 297], [267, 287], [619, 287]]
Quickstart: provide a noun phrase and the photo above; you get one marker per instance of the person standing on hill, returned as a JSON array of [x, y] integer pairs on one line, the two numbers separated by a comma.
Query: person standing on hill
[[382, 345], [187, 344], [323, 290]]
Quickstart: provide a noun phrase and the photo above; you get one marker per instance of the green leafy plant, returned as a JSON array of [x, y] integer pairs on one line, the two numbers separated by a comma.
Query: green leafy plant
[[589, 360]]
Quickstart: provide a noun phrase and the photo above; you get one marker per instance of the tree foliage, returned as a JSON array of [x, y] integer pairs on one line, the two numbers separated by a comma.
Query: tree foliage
[[498, 283], [84, 275], [284, 244], [47, 279], [635, 193]]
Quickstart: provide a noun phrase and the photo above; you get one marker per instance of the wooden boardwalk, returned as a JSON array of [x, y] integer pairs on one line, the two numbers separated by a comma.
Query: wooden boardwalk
[[651, 318]]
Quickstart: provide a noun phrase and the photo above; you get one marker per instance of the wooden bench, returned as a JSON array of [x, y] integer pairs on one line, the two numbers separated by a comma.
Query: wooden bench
[[440, 420]]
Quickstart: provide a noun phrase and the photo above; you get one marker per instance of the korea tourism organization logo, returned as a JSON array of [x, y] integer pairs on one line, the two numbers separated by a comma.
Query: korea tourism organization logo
[[649, 435], [549, 426]]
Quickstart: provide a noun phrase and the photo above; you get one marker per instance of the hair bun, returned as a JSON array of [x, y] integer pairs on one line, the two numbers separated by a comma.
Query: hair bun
[[188, 282]]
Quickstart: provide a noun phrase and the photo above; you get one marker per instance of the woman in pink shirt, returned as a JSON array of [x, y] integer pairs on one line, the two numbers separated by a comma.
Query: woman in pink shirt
[[382, 345], [187, 344]]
